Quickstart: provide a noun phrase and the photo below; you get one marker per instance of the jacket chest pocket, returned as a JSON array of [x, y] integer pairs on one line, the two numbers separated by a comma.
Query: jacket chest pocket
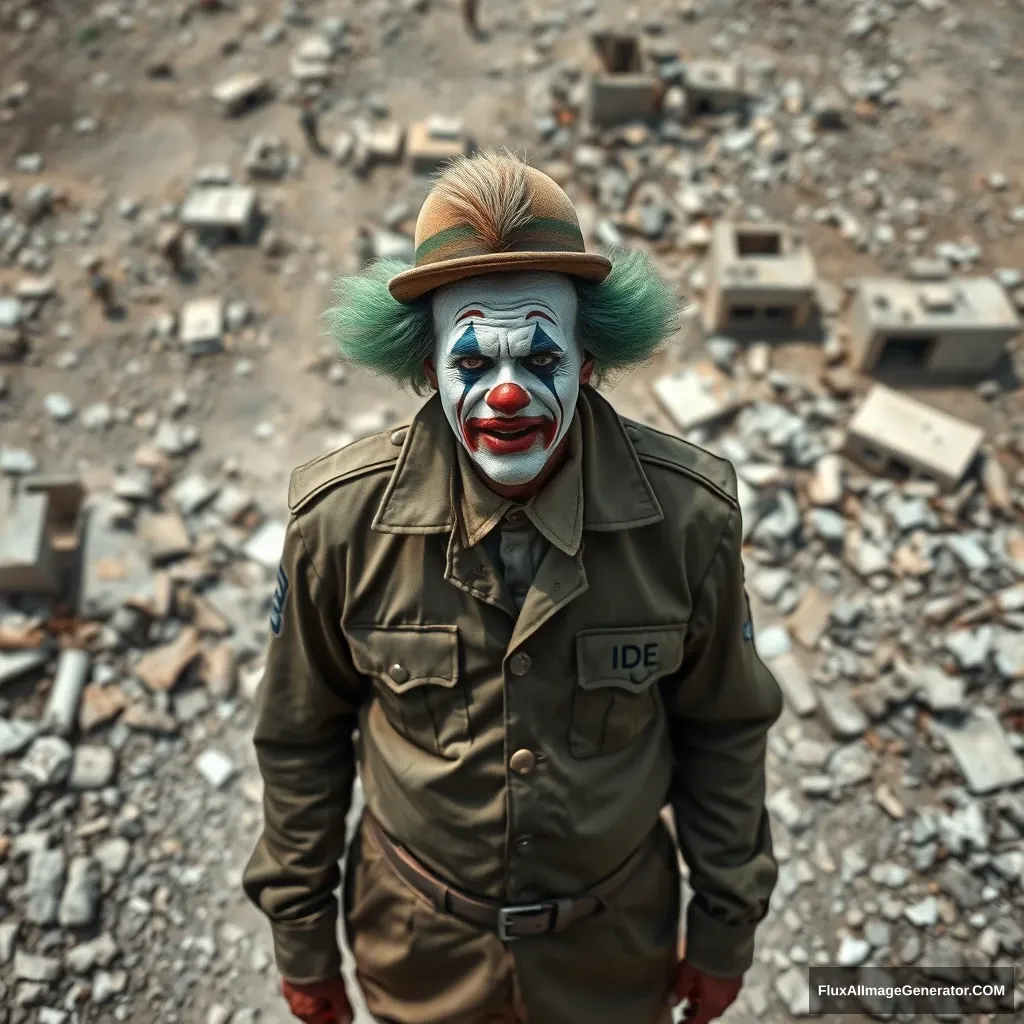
[[615, 699], [415, 673]]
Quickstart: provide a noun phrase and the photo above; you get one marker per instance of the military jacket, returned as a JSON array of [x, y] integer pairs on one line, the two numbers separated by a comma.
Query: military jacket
[[518, 754]]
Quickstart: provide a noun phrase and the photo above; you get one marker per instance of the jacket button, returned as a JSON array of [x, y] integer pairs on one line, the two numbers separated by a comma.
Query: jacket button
[[639, 674], [520, 663], [399, 673], [634, 433], [398, 436], [522, 762]]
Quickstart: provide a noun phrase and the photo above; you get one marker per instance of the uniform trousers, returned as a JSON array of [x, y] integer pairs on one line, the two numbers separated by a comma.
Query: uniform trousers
[[416, 965]]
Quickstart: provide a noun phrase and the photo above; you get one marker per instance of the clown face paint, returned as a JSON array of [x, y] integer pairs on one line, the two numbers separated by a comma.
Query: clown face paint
[[508, 368]]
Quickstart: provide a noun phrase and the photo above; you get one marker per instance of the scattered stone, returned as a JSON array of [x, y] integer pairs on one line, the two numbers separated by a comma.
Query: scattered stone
[[852, 951], [266, 545], [217, 768], [845, 719], [47, 762], [46, 870], [62, 710], [30, 967], [80, 903], [93, 768], [983, 752], [161, 668]]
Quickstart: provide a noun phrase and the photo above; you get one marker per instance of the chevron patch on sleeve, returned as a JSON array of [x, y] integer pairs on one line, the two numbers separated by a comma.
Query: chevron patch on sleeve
[[277, 603]]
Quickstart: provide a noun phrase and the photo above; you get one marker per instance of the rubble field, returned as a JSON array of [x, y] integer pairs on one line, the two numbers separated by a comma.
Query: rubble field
[[834, 186]]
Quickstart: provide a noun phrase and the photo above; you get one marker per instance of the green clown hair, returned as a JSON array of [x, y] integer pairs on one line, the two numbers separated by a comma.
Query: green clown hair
[[626, 318], [378, 333], [621, 322]]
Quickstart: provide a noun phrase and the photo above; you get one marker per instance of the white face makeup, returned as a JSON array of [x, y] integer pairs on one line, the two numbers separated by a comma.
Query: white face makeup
[[508, 368]]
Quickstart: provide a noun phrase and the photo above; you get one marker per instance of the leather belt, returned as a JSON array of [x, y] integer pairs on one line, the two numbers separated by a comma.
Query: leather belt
[[508, 922]]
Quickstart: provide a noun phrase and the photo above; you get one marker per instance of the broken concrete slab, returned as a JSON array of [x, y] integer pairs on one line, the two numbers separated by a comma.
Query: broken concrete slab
[[983, 752], [160, 669], [696, 398], [115, 568], [266, 544], [844, 717], [15, 664], [222, 213], [809, 622], [795, 684], [166, 537]]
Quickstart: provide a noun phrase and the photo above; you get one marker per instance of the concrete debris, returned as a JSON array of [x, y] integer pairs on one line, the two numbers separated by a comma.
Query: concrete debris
[[158, 342], [201, 327], [694, 399], [761, 278], [240, 93], [983, 752], [892, 433], [958, 328], [62, 710], [433, 143], [622, 88]]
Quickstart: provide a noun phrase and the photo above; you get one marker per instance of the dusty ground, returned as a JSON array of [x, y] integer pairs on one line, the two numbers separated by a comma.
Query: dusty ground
[[961, 90]]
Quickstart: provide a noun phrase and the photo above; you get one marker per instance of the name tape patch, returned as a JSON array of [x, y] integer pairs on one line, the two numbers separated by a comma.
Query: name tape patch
[[277, 602]]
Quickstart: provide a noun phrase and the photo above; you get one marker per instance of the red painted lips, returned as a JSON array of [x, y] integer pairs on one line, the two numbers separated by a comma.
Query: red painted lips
[[509, 435]]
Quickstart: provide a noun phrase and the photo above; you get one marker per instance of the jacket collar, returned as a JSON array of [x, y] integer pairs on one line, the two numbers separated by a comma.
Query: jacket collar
[[603, 469]]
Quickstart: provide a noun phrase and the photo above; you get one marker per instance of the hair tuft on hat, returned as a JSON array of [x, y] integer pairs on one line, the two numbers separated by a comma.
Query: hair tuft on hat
[[492, 193]]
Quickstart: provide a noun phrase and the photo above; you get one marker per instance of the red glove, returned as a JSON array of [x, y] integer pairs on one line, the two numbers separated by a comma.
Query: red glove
[[322, 1002], [707, 997]]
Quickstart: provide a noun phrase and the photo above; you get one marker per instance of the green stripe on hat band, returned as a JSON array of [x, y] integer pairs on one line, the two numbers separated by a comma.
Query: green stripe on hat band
[[539, 229], [455, 234], [541, 226]]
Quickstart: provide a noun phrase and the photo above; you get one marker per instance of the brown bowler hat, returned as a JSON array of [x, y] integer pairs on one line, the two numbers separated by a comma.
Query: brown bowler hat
[[492, 213]]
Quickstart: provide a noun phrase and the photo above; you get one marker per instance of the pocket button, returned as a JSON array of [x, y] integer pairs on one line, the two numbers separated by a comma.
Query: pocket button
[[399, 673], [639, 674]]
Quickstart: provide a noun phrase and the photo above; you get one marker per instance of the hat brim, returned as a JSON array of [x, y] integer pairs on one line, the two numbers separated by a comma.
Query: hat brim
[[413, 284]]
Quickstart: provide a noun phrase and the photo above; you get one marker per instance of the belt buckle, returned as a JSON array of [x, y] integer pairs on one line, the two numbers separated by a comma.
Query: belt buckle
[[507, 915]]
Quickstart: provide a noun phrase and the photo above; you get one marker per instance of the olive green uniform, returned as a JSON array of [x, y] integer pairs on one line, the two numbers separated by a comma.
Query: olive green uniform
[[519, 739]]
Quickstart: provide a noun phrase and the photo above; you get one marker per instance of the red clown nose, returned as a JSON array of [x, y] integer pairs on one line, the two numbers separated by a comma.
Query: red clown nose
[[508, 399]]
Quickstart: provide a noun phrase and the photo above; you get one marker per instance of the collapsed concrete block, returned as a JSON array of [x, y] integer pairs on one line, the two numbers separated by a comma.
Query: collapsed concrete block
[[433, 142], [222, 213], [959, 327], [895, 435], [240, 93], [761, 278], [622, 88], [713, 87]]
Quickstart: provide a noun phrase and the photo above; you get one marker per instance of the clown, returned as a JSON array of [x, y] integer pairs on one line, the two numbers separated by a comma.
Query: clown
[[531, 613]]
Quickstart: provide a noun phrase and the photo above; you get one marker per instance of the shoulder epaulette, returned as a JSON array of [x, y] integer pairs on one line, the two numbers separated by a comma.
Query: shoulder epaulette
[[367, 455], [655, 446]]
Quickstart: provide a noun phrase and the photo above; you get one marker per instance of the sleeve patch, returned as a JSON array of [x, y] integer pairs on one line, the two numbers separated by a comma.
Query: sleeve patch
[[277, 602]]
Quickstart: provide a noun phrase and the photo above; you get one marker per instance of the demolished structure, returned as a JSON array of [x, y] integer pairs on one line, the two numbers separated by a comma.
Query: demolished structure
[[222, 213], [622, 87], [898, 436], [761, 277], [959, 327], [41, 526], [713, 87]]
